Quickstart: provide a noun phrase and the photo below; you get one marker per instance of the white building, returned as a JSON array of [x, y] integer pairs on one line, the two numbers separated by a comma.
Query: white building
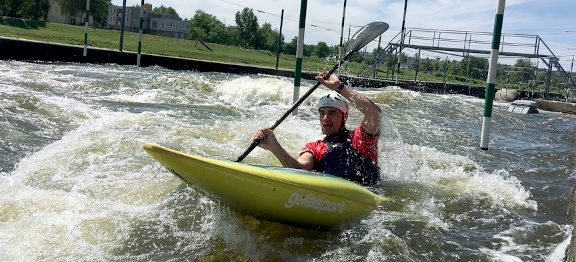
[[55, 15], [155, 23]]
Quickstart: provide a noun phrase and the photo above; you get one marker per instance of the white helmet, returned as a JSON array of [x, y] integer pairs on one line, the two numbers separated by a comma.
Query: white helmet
[[335, 100]]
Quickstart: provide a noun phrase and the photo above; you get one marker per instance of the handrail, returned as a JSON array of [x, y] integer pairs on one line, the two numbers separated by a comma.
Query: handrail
[[522, 45]]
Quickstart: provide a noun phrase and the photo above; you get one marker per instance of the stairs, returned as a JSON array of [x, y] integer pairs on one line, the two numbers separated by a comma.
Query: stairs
[[370, 70], [554, 62]]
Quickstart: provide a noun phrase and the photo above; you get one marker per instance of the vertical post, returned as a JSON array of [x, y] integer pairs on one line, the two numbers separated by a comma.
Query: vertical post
[[86, 21], [401, 40], [445, 73], [465, 39], [377, 63], [417, 66], [279, 39], [570, 79], [140, 34], [299, 53], [549, 77], [491, 80], [122, 24], [468, 72], [349, 29], [535, 79], [341, 34]]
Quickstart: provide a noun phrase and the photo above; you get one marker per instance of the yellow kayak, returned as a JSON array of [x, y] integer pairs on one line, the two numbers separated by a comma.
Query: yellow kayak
[[280, 194]]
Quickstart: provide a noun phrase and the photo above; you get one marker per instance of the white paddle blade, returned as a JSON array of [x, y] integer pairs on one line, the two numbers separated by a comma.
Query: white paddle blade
[[366, 34]]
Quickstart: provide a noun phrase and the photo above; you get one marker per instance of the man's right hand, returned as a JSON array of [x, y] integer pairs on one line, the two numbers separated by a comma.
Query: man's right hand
[[268, 138]]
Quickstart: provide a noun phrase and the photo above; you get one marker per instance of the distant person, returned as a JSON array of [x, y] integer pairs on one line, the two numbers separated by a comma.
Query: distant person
[[350, 154]]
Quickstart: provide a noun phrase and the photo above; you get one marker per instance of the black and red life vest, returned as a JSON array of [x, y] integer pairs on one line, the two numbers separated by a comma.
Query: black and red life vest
[[344, 161]]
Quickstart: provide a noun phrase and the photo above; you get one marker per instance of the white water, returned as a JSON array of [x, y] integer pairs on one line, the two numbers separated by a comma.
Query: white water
[[78, 186]]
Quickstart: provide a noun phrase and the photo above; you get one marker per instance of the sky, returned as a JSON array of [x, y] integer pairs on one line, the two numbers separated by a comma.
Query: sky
[[554, 21]]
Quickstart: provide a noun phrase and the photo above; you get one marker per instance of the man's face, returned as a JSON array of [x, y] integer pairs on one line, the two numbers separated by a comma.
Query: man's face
[[330, 120]]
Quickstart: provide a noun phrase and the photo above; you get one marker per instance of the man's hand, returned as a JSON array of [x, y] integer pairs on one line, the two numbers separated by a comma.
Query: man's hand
[[332, 82], [268, 138]]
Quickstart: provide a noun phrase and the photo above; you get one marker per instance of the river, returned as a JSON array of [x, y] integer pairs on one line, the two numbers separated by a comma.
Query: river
[[75, 184]]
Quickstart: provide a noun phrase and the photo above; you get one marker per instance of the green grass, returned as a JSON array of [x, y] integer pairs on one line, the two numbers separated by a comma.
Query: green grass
[[151, 44]]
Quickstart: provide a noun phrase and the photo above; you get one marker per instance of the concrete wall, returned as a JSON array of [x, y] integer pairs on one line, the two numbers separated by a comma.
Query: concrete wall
[[28, 50], [556, 106]]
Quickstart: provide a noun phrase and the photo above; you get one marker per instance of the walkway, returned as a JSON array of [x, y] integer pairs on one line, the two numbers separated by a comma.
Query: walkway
[[464, 43]]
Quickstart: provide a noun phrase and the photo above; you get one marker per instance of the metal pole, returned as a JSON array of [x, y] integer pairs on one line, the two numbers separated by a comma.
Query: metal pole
[[349, 29], [401, 40], [122, 24], [279, 39], [468, 72], [445, 73], [491, 80], [535, 79], [140, 34], [570, 79], [86, 20], [417, 66], [341, 35], [376, 64], [299, 53], [549, 77]]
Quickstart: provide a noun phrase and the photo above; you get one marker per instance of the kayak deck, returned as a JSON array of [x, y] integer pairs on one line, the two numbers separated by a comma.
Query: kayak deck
[[281, 194]]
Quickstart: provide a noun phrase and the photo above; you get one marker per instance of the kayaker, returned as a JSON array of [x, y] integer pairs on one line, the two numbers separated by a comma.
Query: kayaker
[[351, 154]]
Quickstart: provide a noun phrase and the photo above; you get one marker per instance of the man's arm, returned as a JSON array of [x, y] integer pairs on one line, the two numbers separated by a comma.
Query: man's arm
[[269, 142], [371, 121]]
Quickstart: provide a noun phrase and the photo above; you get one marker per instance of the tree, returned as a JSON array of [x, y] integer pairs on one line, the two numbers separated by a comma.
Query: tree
[[34, 9], [267, 38], [198, 34], [166, 10], [206, 27], [3, 8], [247, 24], [308, 50], [527, 70], [12, 7], [98, 8], [426, 65], [231, 36], [322, 50], [290, 48], [523, 63], [473, 67]]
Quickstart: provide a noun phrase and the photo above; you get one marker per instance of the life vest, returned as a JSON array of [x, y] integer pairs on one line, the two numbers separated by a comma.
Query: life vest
[[344, 161]]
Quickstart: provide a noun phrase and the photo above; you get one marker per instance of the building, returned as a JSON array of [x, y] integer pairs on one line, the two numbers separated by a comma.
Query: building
[[55, 15], [155, 23]]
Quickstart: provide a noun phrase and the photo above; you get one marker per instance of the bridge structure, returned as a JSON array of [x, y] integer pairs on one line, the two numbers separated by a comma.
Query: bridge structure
[[465, 43]]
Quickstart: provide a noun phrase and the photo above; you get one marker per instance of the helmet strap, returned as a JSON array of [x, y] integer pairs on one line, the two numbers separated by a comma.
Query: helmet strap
[[343, 122]]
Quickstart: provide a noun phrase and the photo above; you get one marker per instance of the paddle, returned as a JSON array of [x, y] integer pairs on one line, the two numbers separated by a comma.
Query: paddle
[[361, 38]]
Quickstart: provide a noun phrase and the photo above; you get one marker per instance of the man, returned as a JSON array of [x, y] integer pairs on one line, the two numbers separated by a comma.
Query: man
[[352, 155]]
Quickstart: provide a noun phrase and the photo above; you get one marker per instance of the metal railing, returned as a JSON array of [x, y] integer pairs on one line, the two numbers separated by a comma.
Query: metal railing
[[464, 43]]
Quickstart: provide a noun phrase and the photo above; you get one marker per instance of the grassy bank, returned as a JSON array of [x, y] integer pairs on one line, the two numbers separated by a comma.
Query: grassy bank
[[152, 44]]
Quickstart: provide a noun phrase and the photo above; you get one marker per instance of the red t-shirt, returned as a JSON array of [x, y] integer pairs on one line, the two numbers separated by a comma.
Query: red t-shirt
[[362, 142]]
